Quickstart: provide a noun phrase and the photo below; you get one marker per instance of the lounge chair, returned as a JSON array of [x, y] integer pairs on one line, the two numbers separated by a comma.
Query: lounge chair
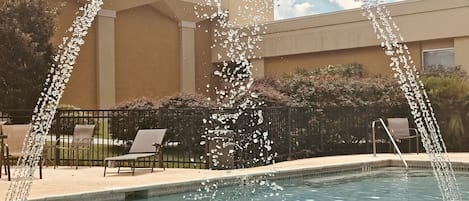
[[147, 143], [399, 128], [82, 141], [14, 148]]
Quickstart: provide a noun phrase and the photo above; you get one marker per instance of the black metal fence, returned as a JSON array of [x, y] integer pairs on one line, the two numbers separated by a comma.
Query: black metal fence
[[295, 132]]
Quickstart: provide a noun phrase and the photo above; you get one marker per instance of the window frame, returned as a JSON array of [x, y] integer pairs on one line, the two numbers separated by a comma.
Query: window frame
[[435, 49]]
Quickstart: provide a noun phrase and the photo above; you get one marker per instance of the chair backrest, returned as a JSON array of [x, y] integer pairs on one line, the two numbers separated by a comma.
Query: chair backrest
[[399, 127], [144, 140], [82, 134], [16, 133], [1, 123]]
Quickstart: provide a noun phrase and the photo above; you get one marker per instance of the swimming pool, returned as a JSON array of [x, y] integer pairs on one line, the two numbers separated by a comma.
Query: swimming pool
[[387, 184]]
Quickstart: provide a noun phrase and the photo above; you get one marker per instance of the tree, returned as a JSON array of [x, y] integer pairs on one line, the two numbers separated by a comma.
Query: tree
[[26, 27]]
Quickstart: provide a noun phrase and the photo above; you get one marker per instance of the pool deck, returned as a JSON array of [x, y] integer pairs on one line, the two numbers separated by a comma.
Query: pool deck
[[65, 181]]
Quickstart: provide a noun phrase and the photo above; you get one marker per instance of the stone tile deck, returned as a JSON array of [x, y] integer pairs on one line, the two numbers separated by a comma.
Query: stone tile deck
[[68, 180]]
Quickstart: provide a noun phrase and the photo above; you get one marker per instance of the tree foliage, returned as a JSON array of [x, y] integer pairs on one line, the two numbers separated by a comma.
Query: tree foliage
[[26, 27]]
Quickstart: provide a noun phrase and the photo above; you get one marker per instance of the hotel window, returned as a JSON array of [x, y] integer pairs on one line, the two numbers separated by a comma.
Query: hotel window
[[438, 57]]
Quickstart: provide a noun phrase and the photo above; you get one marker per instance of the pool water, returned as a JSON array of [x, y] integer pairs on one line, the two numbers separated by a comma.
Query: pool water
[[383, 185]]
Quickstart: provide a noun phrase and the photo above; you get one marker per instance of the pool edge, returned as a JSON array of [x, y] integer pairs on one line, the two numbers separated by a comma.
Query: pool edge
[[122, 194]]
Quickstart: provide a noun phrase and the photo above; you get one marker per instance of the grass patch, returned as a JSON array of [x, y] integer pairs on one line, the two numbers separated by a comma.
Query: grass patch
[[172, 159]]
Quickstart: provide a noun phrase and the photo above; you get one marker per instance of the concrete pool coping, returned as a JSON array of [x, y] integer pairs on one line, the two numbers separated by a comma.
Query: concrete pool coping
[[66, 183]]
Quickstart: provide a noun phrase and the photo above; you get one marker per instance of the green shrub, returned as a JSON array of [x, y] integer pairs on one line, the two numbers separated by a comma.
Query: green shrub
[[450, 95], [139, 113], [144, 113], [185, 100], [341, 70], [269, 97], [443, 71], [332, 90], [264, 93], [142, 103], [328, 86], [67, 107], [190, 109], [70, 116]]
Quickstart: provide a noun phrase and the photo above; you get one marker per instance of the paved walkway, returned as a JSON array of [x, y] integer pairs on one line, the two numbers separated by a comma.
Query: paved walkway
[[68, 180]]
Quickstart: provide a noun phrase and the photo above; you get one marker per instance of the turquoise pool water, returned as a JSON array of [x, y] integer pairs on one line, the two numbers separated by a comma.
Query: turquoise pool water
[[383, 185]]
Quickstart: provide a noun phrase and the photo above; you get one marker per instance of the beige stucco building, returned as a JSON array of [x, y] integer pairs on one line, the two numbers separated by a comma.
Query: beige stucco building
[[156, 48]]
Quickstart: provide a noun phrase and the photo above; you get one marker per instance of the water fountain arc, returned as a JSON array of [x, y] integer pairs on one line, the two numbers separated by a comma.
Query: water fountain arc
[[405, 70], [413, 89], [401, 63], [48, 101]]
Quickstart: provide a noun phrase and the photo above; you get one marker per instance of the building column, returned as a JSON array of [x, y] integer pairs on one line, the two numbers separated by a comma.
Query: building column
[[258, 68], [187, 57], [106, 78], [461, 52]]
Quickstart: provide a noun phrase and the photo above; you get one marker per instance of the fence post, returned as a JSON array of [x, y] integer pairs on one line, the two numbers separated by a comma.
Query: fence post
[[206, 148], [289, 133], [370, 115], [322, 114], [57, 138]]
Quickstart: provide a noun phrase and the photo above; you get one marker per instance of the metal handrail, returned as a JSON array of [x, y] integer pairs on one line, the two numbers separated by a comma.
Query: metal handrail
[[373, 126]]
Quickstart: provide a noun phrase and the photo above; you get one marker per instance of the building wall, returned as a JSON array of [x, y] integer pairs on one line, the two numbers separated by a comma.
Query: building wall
[[373, 60], [203, 66], [461, 46], [348, 37], [242, 16], [418, 21], [147, 54], [81, 91], [437, 44]]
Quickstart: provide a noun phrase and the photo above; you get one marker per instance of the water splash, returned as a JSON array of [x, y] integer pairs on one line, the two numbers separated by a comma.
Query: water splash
[[47, 103], [246, 187], [405, 70], [239, 38]]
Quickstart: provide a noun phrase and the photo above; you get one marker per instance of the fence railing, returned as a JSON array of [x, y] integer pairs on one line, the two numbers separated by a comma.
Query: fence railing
[[296, 132]]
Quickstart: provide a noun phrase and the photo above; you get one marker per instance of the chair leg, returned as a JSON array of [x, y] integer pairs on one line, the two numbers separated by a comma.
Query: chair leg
[[390, 147], [118, 166], [4, 164], [40, 167], [417, 144], [76, 159], [133, 168], [160, 160], [53, 156], [8, 169], [105, 166], [70, 158], [89, 158], [153, 163]]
